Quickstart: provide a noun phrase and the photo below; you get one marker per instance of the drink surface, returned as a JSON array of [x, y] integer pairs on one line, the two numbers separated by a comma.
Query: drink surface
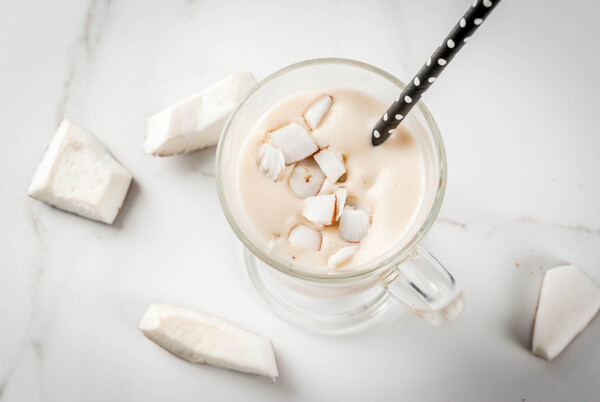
[[387, 181]]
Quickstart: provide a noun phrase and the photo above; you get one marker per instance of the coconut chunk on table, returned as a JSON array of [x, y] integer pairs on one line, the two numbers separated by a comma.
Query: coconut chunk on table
[[196, 122], [77, 174], [201, 338], [568, 301]]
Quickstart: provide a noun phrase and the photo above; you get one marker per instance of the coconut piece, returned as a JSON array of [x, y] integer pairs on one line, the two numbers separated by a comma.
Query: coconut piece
[[354, 224], [306, 179], [77, 174], [321, 209], [196, 122], [340, 200], [568, 301], [330, 164], [305, 237], [317, 110], [200, 338], [360, 203], [341, 256], [295, 142], [272, 161]]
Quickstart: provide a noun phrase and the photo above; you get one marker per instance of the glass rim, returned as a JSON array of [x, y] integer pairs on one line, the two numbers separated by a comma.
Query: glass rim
[[398, 255]]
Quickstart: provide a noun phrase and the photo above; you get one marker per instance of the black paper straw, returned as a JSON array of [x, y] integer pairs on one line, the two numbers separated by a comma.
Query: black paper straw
[[432, 69]]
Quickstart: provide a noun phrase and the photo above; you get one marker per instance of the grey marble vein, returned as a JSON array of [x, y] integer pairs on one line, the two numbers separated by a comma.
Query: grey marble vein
[[452, 222], [527, 220], [83, 52], [576, 228], [32, 333], [95, 21], [206, 174], [38, 350], [30, 337], [9, 372], [64, 97], [36, 223]]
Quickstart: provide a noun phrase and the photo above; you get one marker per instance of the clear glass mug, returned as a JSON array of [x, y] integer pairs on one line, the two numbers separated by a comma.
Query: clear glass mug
[[345, 299]]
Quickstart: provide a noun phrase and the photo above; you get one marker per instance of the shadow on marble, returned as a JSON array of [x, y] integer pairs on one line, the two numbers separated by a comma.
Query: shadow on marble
[[131, 199], [577, 353], [202, 161]]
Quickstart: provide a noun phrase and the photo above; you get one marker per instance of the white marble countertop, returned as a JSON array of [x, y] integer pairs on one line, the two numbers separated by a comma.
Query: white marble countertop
[[517, 110]]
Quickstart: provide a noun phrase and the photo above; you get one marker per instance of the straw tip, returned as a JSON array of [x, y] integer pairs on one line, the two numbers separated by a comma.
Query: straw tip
[[376, 138]]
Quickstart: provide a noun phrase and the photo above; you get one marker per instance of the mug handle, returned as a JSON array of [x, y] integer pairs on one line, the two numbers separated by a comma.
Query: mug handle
[[426, 288]]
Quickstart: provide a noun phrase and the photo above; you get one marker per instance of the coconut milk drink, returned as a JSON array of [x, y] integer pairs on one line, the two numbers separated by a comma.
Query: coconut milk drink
[[315, 189]]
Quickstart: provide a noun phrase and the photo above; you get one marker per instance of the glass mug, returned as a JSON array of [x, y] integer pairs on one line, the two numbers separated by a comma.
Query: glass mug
[[344, 299]]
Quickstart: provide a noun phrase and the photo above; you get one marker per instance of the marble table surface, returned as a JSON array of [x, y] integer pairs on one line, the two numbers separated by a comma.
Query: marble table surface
[[517, 110]]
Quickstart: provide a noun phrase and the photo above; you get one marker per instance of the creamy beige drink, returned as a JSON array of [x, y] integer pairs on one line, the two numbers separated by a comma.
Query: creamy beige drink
[[319, 186]]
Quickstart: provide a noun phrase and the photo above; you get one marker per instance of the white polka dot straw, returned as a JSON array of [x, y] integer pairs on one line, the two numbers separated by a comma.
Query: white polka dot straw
[[432, 69]]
